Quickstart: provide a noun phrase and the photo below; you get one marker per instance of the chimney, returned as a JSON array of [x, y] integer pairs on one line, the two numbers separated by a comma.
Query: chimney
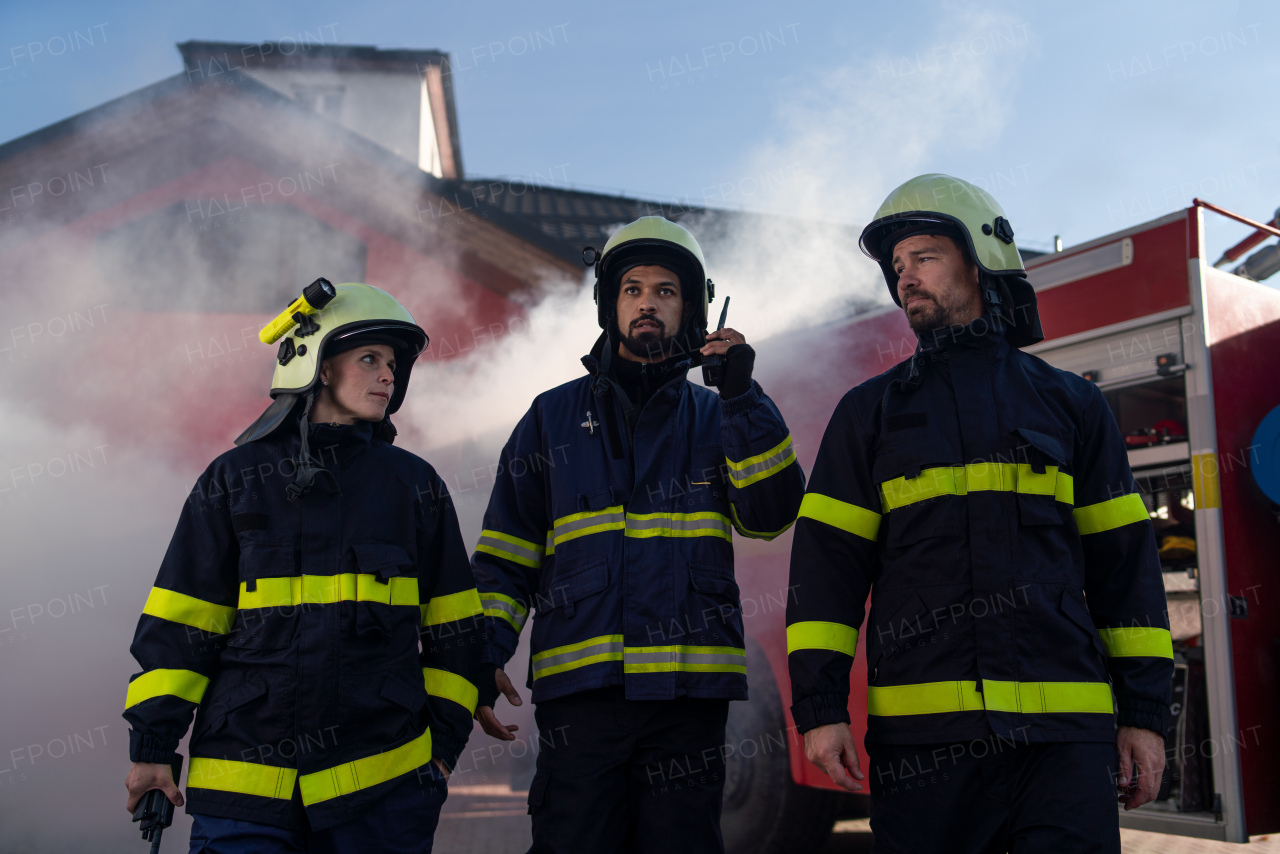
[[400, 99]]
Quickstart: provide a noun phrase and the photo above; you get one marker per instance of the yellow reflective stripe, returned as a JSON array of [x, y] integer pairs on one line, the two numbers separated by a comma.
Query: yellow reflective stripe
[[186, 684], [757, 468], [1204, 478], [366, 772], [1048, 697], [512, 548], [504, 607], [929, 698], [816, 634], [1106, 515], [1128, 643], [977, 477], [456, 606], [755, 535], [551, 543], [932, 698], [572, 656], [450, 686], [244, 778], [840, 514], [287, 591], [189, 611], [701, 524], [686, 659]]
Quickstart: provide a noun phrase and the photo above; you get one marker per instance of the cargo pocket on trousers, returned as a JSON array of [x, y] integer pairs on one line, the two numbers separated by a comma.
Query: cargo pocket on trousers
[[537, 793]]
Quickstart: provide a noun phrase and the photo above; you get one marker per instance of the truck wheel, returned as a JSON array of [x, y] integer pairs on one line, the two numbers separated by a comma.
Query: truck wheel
[[764, 811]]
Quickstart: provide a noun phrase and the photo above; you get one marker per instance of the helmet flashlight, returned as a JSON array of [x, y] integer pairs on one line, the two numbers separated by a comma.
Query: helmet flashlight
[[315, 297]]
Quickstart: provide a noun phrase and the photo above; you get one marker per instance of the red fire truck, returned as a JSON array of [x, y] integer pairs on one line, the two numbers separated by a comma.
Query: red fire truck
[[1188, 356]]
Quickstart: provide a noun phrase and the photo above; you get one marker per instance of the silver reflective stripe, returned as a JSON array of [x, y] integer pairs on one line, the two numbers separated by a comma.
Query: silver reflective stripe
[[530, 554], [545, 664], [563, 529], [681, 656], [681, 522]]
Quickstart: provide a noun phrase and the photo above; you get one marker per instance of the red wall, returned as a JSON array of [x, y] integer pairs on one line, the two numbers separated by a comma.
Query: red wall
[[155, 374]]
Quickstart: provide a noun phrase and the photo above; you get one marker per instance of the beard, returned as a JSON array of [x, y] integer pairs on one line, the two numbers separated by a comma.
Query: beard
[[928, 316], [648, 343]]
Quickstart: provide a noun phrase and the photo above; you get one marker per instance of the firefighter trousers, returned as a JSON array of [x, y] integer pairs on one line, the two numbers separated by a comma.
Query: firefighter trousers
[[402, 822], [994, 795], [636, 776]]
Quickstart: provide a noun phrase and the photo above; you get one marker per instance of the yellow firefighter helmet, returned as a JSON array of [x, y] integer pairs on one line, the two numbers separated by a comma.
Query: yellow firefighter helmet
[[659, 241], [326, 321], [941, 204]]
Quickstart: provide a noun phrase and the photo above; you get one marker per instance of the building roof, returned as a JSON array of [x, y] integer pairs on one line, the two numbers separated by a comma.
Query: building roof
[[306, 52], [167, 129], [574, 219]]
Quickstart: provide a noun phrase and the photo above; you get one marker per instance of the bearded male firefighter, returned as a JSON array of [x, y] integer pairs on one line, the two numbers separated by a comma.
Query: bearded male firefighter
[[308, 565], [1018, 652], [611, 518]]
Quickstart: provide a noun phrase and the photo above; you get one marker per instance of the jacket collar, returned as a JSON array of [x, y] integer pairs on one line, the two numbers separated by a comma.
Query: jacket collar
[[355, 435], [984, 336], [594, 361]]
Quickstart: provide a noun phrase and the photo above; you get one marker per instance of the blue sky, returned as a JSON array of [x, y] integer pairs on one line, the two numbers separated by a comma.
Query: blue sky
[[1082, 118]]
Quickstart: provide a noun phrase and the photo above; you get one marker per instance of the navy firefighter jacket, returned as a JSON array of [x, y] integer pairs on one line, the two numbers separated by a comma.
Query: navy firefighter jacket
[[329, 644], [616, 531], [985, 501]]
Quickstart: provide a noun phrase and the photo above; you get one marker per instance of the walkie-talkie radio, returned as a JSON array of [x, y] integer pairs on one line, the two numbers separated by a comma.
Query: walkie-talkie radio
[[713, 365]]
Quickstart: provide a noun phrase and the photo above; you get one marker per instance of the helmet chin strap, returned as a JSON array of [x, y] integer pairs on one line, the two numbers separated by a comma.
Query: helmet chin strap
[[991, 296], [307, 469]]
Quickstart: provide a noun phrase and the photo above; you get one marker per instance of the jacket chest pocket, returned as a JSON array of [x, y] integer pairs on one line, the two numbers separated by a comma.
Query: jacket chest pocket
[[1045, 487], [912, 442], [383, 560], [386, 591], [264, 617]]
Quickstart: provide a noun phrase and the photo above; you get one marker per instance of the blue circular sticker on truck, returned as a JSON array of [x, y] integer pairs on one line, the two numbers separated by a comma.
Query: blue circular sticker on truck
[[1266, 447]]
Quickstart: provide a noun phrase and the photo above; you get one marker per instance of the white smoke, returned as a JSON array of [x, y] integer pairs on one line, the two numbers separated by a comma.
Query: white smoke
[[840, 143]]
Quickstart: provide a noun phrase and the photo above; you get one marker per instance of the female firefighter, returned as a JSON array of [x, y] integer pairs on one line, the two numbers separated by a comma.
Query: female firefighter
[[308, 565]]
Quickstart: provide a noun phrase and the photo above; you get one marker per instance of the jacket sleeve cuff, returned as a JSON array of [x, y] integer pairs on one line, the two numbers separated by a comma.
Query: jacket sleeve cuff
[[495, 654], [742, 403], [820, 710], [1144, 714], [446, 748], [152, 747], [486, 686]]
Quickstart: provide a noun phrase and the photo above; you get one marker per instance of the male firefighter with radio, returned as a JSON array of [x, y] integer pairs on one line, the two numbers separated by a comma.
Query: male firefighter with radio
[[984, 499], [623, 548], [308, 565]]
